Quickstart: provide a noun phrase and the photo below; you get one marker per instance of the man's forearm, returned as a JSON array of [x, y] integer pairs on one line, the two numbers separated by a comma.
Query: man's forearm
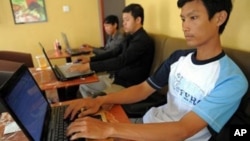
[[129, 95]]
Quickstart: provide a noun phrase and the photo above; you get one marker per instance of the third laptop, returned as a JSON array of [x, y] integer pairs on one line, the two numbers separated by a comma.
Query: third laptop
[[73, 51]]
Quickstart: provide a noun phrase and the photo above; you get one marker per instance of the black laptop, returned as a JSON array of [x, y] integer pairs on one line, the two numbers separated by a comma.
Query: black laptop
[[72, 51], [30, 109], [61, 72]]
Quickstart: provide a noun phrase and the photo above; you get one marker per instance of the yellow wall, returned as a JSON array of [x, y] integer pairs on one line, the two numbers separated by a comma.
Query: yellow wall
[[162, 16], [81, 24]]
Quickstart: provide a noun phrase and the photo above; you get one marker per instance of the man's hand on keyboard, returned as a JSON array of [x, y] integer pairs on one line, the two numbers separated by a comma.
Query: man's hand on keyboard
[[88, 127], [78, 67], [86, 106]]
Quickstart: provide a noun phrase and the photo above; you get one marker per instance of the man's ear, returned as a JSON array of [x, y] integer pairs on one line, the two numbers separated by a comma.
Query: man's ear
[[221, 17], [138, 20], [115, 24]]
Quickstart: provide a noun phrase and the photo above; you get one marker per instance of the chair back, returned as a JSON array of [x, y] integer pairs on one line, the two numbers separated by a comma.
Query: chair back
[[14, 56]]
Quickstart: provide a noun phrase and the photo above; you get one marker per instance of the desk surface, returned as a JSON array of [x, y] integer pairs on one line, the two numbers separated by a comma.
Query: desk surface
[[115, 114], [52, 54], [47, 80]]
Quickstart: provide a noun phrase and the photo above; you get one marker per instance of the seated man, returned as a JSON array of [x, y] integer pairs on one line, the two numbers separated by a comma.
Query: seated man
[[128, 64], [114, 36], [114, 39], [205, 86]]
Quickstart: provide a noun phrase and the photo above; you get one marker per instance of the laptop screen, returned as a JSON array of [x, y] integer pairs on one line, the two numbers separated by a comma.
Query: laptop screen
[[27, 102], [50, 64], [66, 41]]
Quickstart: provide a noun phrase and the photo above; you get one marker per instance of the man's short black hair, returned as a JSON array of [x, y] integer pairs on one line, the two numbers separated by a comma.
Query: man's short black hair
[[213, 6], [112, 19], [136, 11]]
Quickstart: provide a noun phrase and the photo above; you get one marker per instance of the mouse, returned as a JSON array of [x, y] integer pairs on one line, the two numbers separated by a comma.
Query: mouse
[[99, 117], [77, 60]]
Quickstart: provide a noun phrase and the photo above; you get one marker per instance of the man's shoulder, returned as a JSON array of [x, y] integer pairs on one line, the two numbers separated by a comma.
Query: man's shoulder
[[120, 35], [140, 32], [143, 35], [179, 53]]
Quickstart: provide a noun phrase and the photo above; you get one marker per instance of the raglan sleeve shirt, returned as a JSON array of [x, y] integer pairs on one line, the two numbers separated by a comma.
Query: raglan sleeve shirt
[[220, 101]]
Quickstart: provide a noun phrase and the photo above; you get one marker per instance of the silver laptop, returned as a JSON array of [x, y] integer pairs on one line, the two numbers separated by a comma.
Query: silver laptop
[[72, 51], [61, 72]]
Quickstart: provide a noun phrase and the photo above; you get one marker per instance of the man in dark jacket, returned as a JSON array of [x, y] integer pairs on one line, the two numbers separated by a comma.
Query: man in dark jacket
[[129, 64]]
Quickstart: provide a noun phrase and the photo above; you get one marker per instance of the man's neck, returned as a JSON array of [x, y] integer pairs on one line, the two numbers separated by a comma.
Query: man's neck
[[136, 29], [207, 54], [209, 50], [113, 35]]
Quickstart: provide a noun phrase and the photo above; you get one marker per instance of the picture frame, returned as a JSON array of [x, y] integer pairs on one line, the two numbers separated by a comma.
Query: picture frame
[[28, 11]]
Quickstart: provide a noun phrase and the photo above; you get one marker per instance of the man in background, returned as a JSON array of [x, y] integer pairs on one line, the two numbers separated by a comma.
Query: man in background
[[114, 35]]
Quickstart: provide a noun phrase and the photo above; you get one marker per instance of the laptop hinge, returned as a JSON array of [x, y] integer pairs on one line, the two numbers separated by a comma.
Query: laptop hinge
[[59, 73]]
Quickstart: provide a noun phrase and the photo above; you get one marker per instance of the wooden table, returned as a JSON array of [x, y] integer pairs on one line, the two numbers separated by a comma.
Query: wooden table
[[58, 90], [114, 114], [52, 54], [47, 80]]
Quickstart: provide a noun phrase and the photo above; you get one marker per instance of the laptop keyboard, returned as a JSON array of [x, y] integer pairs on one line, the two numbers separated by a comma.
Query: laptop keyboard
[[59, 126]]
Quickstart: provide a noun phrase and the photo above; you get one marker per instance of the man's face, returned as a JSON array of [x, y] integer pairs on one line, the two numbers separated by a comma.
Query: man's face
[[129, 23], [110, 29], [197, 27]]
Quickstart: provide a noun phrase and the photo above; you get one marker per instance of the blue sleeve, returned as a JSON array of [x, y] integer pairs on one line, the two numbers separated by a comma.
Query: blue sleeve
[[217, 108]]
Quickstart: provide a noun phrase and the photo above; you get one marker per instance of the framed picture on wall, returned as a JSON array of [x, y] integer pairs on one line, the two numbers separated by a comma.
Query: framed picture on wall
[[28, 11]]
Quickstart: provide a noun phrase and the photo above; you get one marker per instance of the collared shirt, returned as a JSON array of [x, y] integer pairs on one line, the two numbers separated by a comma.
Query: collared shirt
[[111, 43]]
